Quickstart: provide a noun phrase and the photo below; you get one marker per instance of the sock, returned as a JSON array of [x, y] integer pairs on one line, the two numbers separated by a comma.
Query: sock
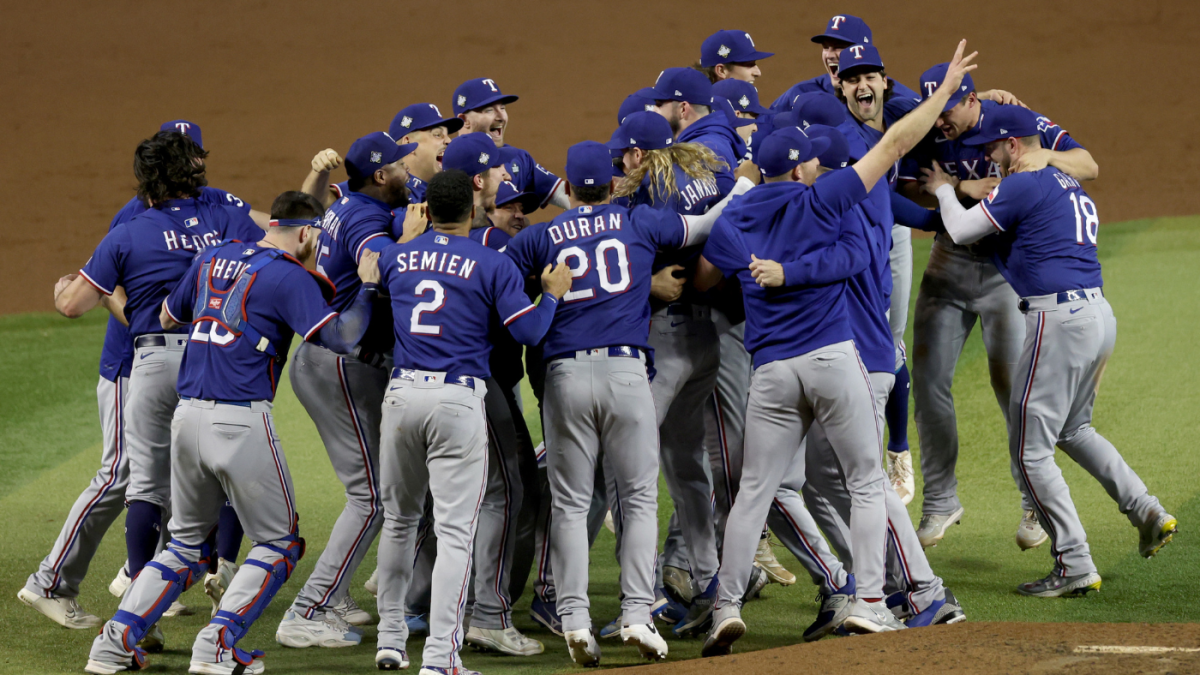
[[896, 412], [229, 534], [143, 524]]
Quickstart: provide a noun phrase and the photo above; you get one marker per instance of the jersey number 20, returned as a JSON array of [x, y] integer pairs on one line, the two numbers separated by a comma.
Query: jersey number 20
[[580, 264]]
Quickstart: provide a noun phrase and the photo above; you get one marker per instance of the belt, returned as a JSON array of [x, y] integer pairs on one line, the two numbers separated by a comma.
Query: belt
[[685, 309], [1088, 295], [618, 351], [428, 376], [160, 340], [241, 404]]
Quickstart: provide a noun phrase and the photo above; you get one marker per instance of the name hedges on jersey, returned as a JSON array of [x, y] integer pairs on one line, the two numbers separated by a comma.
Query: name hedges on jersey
[[190, 242]]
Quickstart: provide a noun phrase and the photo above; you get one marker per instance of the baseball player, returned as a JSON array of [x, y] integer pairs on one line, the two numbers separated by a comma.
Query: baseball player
[[54, 587], [684, 98], [962, 285], [1049, 226], [483, 108], [730, 55], [243, 303], [342, 392], [146, 256], [806, 365], [512, 207], [445, 289]]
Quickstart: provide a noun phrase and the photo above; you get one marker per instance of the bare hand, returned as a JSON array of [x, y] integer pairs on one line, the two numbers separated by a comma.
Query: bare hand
[[959, 66], [978, 189], [1033, 160], [935, 178], [1002, 97], [368, 267], [557, 281], [415, 222], [767, 273], [665, 286], [750, 171], [63, 282], [326, 161]]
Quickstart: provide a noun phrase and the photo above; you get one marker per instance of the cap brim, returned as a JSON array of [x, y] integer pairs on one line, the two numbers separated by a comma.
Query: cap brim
[[865, 67], [659, 95], [826, 36], [740, 122], [615, 143], [954, 100], [756, 56], [406, 149], [819, 144], [758, 110], [978, 139], [504, 98], [452, 125]]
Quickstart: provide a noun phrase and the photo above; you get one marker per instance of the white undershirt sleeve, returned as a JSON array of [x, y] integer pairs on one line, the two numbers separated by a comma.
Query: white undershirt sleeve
[[698, 227], [965, 226]]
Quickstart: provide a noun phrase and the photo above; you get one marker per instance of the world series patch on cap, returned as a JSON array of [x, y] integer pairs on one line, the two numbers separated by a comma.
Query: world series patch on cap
[[419, 117], [472, 154], [729, 46], [373, 152]]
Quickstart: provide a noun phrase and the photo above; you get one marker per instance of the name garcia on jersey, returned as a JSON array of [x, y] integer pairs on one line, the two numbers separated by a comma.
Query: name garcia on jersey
[[569, 230]]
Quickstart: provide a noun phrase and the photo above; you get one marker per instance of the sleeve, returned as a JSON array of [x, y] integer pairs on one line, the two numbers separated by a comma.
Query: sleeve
[[839, 191], [911, 214], [544, 183], [725, 249], [300, 303], [526, 322], [521, 251], [848, 256], [239, 225], [1008, 202], [182, 299], [340, 189], [662, 227], [371, 232], [964, 226], [105, 268], [220, 197], [1055, 137]]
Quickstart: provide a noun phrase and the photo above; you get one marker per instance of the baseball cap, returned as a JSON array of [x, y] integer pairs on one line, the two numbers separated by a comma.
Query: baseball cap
[[508, 193], [588, 163], [472, 154], [859, 57], [374, 151], [645, 130], [189, 129], [817, 107], [1004, 121], [847, 29], [421, 116], [479, 93], [641, 100], [837, 155], [742, 95], [933, 78], [721, 103], [786, 148], [729, 46], [683, 84]]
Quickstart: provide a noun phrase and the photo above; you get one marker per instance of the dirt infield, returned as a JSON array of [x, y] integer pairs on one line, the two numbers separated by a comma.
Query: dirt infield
[[969, 648], [272, 82]]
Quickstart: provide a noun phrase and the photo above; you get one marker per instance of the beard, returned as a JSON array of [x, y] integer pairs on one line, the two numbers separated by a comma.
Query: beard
[[396, 196]]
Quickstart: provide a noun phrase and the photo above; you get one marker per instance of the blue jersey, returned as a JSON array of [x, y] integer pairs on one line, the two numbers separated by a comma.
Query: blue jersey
[[150, 253], [491, 237], [528, 175], [878, 205], [282, 298], [610, 250], [786, 221], [823, 83], [116, 357], [1048, 227], [354, 224], [447, 292], [715, 133], [416, 189]]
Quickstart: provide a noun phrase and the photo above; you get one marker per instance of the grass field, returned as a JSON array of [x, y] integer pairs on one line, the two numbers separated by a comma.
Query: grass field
[[50, 447]]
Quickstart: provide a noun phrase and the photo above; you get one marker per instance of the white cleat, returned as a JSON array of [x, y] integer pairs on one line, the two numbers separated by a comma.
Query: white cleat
[[372, 584], [228, 667], [900, 475], [645, 637], [933, 527], [177, 608], [1029, 532], [351, 613], [609, 523], [387, 658], [331, 631], [506, 641], [105, 668], [871, 617], [65, 612], [215, 584], [583, 647], [120, 584]]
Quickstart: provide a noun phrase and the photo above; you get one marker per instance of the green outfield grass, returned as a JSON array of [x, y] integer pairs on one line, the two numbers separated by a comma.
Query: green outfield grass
[[50, 446]]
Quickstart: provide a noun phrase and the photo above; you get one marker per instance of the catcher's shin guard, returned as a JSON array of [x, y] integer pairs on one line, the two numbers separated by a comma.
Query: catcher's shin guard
[[277, 560], [161, 585]]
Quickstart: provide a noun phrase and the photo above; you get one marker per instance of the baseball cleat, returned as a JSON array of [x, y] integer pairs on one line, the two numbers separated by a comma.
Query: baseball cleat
[[613, 629], [933, 527], [871, 617], [215, 583], [764, 557], [106, 668], [153, 641], [418, 624], [177, 608], [351, 613], [609, 524], [898, 603], [666, 609], [900, 475], [372, 584], [721, 638], [504, 640], [120, 584], [699, 615], [645, 637], [387, 658], [329, 631], [1056, 586], [758, 581], [951, 612], [228, 666], [835, 607], [584, 649], [65, 612], [679, 584], [1029, 532], [546, 614], [1157, 534], [433, 670]]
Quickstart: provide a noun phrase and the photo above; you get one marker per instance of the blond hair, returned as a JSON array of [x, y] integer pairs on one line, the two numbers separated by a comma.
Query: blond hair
[[696, 160]]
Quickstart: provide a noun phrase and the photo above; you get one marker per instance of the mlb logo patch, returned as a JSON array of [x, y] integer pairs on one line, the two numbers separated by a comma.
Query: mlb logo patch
[[588, 181], [191, 222], [441, 239], [214, 303], [585, 209], [376, 157]]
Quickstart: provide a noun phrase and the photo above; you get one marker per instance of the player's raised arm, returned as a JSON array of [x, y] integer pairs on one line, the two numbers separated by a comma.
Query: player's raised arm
[[316, 183], [910, 129]]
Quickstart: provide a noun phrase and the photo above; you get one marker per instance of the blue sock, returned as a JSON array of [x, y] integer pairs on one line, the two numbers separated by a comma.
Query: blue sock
[[143, 525], [229, 534], [896, 412]]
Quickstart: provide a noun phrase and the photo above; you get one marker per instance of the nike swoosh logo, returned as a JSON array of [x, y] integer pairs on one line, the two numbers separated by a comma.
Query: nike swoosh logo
[[941, 139], [679, 323], [1076, 310], [144, 355]]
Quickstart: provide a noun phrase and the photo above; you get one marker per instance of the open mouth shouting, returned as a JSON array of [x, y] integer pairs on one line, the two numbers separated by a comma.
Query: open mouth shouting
[[497, 132], [832, 66], [439, 159], [866, 99]]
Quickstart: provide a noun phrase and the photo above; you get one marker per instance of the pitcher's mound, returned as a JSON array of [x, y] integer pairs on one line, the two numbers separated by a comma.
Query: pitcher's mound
[[1076, 648]]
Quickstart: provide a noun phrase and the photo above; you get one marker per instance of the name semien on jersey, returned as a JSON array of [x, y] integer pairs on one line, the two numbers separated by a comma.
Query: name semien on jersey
[[435, 261]]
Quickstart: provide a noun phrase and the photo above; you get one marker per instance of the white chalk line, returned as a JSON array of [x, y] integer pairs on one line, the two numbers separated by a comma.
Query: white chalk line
[[1122, 649]]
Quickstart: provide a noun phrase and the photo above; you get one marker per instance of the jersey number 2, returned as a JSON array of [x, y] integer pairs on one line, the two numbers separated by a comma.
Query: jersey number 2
[[581, 263], [439, 299], [1087, 221]]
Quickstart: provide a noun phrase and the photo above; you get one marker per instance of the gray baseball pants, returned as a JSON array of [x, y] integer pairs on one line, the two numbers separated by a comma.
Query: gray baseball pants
[[434, 441], [900, 259], [1067, 347], [149, 406], [725, 419]]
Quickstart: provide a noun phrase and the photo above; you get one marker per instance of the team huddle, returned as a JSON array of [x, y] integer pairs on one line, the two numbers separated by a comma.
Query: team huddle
[[723, 300]]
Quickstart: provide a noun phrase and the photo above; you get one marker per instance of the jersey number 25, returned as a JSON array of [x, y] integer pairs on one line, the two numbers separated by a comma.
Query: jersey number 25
[[580, 264]]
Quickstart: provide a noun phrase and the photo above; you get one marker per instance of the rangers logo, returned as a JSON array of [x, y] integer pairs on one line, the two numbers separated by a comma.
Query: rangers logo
[[406, 121], [183, 127], [214, 303], [435, 110], [191, 222], [857, 49], [749, 38], [836, 21], [744, 101], [793, 155], [376, 157], [484, 157], [723, 51], [462, 101], [441, 239]]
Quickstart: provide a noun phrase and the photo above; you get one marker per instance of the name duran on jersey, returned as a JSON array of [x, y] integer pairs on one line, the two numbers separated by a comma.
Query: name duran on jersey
[[586, 226]]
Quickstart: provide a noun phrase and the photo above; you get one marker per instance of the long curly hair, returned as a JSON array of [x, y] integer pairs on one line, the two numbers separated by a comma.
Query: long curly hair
[[168, 165], [696, 160]]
